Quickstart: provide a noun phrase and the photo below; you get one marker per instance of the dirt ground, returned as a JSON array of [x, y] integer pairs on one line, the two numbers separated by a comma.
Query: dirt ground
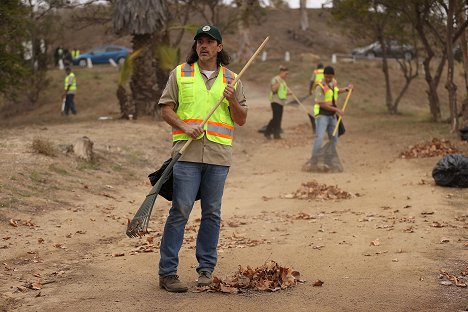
[[69, 240]]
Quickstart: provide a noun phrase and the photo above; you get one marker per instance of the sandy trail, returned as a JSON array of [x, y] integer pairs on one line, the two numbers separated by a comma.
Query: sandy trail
[[84, 216]]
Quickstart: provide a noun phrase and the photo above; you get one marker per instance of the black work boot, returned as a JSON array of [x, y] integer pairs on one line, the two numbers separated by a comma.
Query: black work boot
[[172, 283]]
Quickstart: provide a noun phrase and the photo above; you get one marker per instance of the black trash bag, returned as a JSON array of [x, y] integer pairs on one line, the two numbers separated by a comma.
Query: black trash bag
[[452, 170], [464, 133], [167, 187], [341, 128]]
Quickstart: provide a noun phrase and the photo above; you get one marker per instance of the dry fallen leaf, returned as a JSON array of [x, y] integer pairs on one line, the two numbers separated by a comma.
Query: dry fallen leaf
[[318, 283], [35, 286], [118, 254], [13, 223], [444, 240], [375, 242]]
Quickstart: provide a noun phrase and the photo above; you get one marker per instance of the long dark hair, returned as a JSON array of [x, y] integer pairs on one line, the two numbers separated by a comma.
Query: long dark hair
[[223, 57]]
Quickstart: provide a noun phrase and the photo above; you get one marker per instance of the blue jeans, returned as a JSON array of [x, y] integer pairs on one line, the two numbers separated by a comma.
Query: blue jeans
[[189, 177], [324, 124]]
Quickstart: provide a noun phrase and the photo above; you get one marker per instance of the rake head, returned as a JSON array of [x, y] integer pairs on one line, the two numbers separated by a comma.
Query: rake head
[[138, 226]]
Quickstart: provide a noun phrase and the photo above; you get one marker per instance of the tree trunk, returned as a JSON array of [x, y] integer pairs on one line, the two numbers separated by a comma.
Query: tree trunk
[[143, 78], [409, 76], [162, 75], [245, 46], [304, 17], [464, 44], [450, 85], [433, 97], [126, 111], [388, 87], [83, 148]]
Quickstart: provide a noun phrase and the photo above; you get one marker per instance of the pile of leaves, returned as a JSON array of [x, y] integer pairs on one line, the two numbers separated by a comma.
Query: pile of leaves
[[269, 277], [315, 190], [435, 147]]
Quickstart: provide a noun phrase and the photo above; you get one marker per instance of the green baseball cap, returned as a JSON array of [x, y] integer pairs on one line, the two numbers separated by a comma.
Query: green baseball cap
[[209, 30]]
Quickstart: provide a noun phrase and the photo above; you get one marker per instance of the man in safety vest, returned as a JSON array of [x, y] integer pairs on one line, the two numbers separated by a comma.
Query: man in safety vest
[[69, 92], [191, 92], [278, 96], [316, 77], [325, 110]]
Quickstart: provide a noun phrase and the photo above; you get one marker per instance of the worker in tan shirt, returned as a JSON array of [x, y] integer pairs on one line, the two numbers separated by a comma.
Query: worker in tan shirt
[[192, 90]]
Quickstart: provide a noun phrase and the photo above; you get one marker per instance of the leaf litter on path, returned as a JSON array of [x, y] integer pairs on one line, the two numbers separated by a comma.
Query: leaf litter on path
[[269, 277], [315, 190], [459, 281], [435, 147]]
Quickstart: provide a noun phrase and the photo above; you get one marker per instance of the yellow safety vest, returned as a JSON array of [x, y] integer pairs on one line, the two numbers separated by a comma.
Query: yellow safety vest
[[75, 53], [282, 90], [329, 95], [196, 101], [318, 75], [67, 82]]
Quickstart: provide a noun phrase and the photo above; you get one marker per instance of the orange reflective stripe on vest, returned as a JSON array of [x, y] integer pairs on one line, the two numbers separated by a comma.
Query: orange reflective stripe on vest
[[228, 76], [187, 70], [220, 129], [193, 121]]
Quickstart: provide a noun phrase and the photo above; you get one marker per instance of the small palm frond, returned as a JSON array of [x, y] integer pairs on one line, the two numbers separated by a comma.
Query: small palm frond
[[168, 56], [127, 69]]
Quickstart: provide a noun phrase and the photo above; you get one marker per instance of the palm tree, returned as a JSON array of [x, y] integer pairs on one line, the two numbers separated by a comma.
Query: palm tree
[[147, 22]]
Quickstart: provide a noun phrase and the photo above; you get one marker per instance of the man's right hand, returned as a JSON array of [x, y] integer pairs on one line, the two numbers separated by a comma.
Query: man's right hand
[[194, 131], [339, 112]]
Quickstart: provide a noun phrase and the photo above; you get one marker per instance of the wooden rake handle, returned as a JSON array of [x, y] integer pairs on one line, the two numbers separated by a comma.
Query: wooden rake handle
[[298, 101], [344, 107], [252, 58]]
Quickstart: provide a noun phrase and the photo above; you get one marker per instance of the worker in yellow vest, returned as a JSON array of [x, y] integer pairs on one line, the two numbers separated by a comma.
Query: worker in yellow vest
[[278, 96], [317, 76], [191, 92], [75, 53], [69, 92], [325, 111]]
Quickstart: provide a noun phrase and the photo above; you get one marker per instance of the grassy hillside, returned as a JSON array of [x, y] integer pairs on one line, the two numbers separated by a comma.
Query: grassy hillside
[[97, 86]]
